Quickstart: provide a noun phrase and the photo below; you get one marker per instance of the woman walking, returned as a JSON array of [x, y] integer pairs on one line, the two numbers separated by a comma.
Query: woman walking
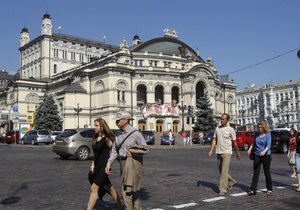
[[262, 156], [297, 162], [292, 151], [102, 144]]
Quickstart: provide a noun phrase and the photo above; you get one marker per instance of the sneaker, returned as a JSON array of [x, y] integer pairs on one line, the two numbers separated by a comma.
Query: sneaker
[[221, 193], [269, 192], [294, 175]]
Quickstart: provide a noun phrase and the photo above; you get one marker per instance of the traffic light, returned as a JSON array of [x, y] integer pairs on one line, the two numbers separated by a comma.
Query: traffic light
[[188, 120], [193, 120]]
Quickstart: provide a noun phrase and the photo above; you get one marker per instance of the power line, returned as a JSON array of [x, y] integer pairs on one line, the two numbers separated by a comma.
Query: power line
[[263, 61]]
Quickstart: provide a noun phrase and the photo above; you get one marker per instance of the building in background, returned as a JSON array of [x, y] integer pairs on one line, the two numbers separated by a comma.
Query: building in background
[[150, 79], [277, 104]]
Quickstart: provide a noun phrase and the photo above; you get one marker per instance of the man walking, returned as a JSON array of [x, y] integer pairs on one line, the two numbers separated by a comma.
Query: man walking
[[224, 136], [129, 148]]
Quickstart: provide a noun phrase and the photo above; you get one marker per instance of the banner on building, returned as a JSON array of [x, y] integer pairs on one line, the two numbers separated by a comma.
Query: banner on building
[[156, 110]]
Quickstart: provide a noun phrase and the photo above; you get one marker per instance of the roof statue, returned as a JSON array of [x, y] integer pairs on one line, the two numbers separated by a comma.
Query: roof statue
[[171, 32]]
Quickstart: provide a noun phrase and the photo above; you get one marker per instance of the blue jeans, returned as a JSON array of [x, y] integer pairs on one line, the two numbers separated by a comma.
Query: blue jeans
[[297, 163], [266, 162]]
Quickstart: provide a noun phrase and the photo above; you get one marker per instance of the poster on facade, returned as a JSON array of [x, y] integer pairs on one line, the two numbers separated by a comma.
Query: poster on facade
[[160, 110], [24, 128]]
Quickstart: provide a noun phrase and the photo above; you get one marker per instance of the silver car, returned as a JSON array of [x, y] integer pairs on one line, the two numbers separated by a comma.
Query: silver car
[[74, 142], [37, 136]]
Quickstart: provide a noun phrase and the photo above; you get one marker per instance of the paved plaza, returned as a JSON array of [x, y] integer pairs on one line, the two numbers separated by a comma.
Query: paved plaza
[[177, 177]]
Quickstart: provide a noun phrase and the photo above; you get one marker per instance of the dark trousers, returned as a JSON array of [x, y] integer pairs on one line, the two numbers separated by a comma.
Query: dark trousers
[[266, 162]]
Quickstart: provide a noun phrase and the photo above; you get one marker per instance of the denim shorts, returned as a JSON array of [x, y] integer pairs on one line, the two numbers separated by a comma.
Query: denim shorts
[[297, 164]]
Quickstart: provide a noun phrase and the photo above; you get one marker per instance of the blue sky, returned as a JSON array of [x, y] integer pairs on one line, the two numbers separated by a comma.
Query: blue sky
[[234, 33]]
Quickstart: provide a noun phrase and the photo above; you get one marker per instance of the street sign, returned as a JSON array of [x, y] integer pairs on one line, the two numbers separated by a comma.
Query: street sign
[[15, 109]]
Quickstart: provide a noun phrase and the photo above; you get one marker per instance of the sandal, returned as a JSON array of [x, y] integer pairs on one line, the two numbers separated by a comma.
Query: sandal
[[298, 190], [250, 193], [269, 192]]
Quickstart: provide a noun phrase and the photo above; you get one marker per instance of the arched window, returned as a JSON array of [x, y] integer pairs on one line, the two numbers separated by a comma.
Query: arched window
[[175, 94], [199, 90], [159, 94], [141, 95], [55, 68]]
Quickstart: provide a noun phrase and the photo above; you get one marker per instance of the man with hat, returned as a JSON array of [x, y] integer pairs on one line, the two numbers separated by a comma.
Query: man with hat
[[129, 148]]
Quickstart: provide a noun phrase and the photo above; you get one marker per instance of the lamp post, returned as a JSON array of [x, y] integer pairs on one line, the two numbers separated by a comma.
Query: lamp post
[[77, 109], [182, 107]]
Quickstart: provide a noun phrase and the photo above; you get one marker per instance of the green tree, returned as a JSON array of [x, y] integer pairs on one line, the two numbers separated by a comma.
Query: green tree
[[205, 120], [46, 115]]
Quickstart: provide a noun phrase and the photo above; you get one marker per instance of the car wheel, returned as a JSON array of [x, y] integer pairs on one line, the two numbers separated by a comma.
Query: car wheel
[[47, 143], [82, 153], [64, 157], [246, 146], [284, 148]]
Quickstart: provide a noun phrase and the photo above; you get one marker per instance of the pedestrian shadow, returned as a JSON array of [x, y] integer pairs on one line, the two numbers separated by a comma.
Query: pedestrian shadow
[[215, 187], [111, 205], [12, 198], [144, 194]]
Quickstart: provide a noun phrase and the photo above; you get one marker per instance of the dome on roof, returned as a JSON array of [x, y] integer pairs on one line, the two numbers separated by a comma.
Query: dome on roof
[[46, 16], [167, 45], [24, 30], [74, 88]]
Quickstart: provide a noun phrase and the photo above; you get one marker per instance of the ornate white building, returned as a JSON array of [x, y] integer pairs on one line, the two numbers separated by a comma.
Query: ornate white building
[[277, 104], [150, 79]]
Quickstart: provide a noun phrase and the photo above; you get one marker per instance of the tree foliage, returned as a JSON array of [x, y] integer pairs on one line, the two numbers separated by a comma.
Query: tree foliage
[[46, 116], [205, 120]]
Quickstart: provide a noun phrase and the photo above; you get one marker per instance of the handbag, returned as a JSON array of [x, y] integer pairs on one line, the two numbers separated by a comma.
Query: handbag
[[251, 156], [292, 157]]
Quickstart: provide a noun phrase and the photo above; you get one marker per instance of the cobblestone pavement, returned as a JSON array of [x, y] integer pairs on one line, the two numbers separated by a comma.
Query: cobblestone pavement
[[177, 177]]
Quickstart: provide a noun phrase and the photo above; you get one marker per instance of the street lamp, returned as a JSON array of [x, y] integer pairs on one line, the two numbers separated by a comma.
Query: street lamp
[[77, 109], [182, 107]]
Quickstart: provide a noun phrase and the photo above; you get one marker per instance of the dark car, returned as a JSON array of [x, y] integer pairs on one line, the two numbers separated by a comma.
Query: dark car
[[208, 138], [149, 137], [165, 139], [12, 137], [74, 142], [280, 140], [244, 139]]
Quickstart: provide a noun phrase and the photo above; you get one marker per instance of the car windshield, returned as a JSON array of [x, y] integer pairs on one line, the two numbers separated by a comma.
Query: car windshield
[[10, 133], [55, 133], [147, 132], [44, 133]]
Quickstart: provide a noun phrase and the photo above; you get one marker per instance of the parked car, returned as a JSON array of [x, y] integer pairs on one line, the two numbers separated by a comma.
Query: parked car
[[54, 134], [23, 140], [165, 139], [74, 142], [280, 140], [244, 139], [12, 137], [207, 138], [37, 136], [149, 137]]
